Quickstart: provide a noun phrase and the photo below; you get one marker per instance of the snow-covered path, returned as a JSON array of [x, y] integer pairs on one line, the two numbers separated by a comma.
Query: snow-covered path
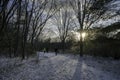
[[60, 67]]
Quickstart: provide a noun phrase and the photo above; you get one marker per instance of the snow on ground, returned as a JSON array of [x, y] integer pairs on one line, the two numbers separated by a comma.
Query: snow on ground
[[60, 67]]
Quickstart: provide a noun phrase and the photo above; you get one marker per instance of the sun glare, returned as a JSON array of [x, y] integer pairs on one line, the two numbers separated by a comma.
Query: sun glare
[[83, 35], [78, 35]]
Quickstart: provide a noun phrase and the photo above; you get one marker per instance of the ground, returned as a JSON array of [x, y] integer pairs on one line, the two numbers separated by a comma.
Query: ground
[[48, 66]]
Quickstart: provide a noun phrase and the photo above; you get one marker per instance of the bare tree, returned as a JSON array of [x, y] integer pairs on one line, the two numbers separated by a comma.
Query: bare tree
[[7, 10], [88, 12], [43, 11], [63, 20], [28, 12]]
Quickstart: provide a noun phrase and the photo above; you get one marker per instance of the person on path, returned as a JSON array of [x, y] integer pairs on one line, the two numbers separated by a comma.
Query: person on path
[[44, 50], [56, 51], [47, 50]]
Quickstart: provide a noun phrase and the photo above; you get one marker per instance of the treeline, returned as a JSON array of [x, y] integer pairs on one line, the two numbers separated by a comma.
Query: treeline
[[106, 47], [52, 45]]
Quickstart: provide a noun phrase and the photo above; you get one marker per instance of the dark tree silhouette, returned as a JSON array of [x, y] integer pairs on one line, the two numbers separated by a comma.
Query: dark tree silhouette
[[89, 12]]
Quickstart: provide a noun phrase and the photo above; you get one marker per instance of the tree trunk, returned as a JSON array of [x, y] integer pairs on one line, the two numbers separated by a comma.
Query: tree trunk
[[23, 51], [63, 45], [18, 28], [81, 44], [2, 23], [10, 51]]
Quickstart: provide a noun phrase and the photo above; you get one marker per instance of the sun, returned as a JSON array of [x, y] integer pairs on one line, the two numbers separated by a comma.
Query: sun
[[83, 35]]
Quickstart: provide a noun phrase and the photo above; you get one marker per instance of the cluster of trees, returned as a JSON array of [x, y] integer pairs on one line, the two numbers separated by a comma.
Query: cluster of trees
[[22, 21]]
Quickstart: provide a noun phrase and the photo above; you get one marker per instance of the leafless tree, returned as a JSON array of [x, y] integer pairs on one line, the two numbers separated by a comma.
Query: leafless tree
[[7, 10], [87, 13], [43, 11], [27, 15], [63, 20]]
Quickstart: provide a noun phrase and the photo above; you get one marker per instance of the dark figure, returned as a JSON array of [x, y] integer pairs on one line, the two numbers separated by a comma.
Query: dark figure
[[44, 50], [47, 50], [56, 51]]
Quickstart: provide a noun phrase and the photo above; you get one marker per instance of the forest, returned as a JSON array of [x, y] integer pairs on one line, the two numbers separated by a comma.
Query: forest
[[27, 26], [59, 39]]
